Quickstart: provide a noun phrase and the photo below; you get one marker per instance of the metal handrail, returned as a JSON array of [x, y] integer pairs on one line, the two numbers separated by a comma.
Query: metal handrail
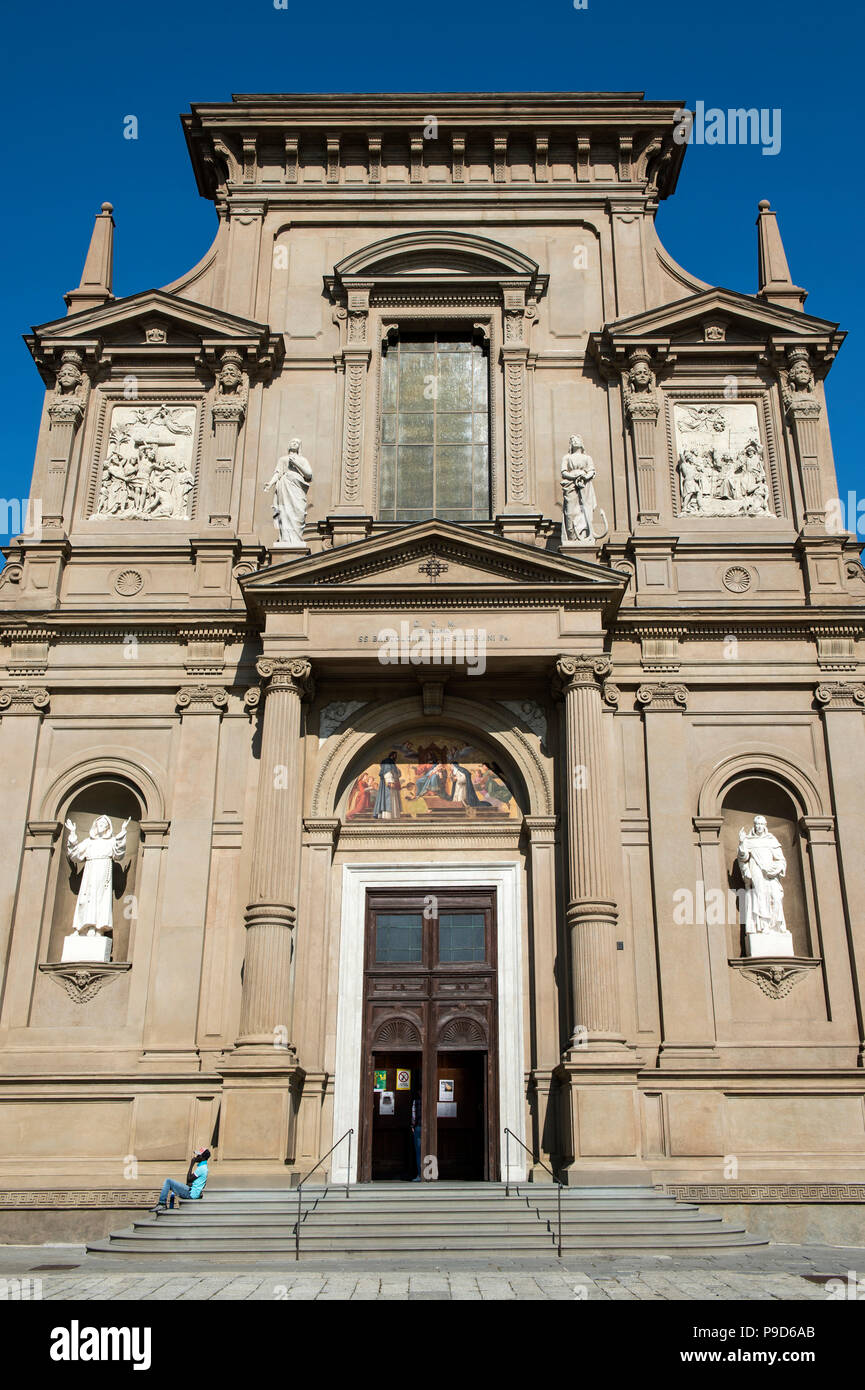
[[347, 1135], [509, 1135]]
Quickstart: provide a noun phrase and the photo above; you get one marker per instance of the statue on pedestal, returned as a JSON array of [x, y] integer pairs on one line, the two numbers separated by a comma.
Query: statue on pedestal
[[93, 914], [578, 493], [290, 484], [762, 866]]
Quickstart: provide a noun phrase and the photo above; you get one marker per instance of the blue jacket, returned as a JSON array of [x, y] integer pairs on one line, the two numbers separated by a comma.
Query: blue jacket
[[200, 1179]]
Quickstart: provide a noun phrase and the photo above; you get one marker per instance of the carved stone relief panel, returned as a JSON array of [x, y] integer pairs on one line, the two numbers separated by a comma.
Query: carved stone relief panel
[[720, 464], [147, 469]]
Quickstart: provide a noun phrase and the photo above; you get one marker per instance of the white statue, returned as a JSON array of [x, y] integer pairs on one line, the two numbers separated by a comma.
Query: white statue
[[579, 500], [762, 865], [290, 483], [97, 853]]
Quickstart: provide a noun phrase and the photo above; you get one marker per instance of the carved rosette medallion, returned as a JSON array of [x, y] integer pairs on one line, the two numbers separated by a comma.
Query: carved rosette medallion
[[737, 579]]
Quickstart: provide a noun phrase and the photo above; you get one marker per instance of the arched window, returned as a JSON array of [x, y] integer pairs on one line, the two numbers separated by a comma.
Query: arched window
[[762, 796], [119, 802]]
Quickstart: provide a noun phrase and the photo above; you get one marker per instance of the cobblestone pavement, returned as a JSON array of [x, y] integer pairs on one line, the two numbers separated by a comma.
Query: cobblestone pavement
[[782, 1273]]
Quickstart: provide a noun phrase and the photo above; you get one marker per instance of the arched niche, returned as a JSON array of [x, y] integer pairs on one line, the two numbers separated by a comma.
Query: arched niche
[[753, 794], [430, 772], [118, 799]]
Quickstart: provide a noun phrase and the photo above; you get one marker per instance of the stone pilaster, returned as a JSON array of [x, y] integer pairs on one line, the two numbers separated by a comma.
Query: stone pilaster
[[804, 416], [22, 708], [65, 414], [354, 360], [591, 913], [270, 916], [519, 486], [228, 414], [641, 412], [683, 947], [842, 705], [170, 1035]]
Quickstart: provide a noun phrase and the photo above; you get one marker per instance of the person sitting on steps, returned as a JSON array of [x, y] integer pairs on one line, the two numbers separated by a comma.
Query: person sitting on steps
[[192, 1189]]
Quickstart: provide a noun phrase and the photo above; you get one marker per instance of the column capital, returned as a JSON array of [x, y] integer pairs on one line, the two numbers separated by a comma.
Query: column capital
[[541, 829], [582, 669], [292, 673], [834, 695], [663, 696], [201, 699], [24, 699]]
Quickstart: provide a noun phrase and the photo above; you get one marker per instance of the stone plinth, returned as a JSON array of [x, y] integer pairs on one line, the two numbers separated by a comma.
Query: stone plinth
[[86, 948]]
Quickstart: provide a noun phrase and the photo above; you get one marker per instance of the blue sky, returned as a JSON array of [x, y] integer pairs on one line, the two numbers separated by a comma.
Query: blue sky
[[74, 72]]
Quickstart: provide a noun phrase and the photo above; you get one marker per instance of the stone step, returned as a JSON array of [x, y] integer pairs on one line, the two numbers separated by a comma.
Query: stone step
[[513, 1215], [428, 1219], [543, 1244], [356, 1209]]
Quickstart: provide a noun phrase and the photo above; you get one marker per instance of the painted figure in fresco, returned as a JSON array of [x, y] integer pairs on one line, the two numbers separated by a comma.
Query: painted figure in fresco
[[492, 789], [423, 777], [362, 796], [388, 801], [93, 908], [462, 788]]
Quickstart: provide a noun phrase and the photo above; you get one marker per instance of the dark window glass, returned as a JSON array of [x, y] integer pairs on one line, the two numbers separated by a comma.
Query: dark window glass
[[434, 429], [461, 937], [399, 938]]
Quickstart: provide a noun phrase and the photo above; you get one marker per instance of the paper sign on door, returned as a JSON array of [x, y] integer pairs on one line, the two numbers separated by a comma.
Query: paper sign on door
[[403, 1079]]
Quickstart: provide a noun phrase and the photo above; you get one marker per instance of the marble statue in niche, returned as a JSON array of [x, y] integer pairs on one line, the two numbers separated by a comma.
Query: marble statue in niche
[[720, 461], [147, 473], [290, 486], [93, 920], [579, 501], [762, 865]]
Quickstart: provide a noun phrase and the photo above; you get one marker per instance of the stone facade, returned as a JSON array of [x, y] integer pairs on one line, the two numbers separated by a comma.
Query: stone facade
[[640, 692]]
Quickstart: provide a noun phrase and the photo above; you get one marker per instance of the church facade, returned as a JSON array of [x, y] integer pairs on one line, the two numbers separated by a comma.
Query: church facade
[[431, 711]]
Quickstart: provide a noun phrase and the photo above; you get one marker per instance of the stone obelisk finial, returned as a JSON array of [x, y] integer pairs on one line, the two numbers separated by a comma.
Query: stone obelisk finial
[[95, 287], [776, 286]]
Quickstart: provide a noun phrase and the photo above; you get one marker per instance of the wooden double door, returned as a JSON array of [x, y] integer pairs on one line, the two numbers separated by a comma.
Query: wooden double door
[[429, 1079]]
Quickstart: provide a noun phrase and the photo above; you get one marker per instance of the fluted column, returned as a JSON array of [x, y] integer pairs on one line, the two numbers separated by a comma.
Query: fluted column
[[270, 915], [592, 913]]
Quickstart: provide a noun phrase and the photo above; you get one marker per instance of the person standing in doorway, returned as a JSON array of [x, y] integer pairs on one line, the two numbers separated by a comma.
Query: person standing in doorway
[[415, 1129]]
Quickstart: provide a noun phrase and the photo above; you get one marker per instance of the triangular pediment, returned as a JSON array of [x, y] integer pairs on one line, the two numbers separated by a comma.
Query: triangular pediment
[[714, 318], [434, 555], [154, 320]]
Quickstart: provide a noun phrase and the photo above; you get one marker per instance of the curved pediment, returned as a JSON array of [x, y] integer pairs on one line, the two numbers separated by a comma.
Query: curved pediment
[[437, 255]]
